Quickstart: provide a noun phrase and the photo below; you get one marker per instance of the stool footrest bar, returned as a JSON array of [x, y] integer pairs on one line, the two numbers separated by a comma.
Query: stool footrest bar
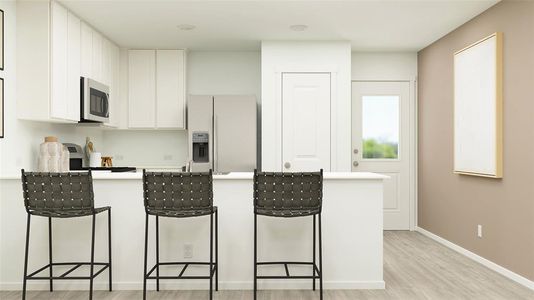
[[64, 276], [182, 271], [316, 273]]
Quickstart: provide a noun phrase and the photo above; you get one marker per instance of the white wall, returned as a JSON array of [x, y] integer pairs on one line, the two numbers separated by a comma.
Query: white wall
[[146, 148], [278, 57], [384, 66], [224, 73], [19, 148]]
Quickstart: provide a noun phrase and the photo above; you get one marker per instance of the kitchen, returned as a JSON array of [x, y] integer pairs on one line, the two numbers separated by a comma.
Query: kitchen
[[183, 110], [115, 88]]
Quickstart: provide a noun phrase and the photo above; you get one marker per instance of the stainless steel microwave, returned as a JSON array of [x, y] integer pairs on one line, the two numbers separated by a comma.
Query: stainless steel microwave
[[94, 106]]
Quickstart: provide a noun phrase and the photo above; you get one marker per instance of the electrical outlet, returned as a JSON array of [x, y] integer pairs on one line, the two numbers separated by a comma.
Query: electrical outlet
[[118, 157], [479, 231], [188, 250], [167, 157]]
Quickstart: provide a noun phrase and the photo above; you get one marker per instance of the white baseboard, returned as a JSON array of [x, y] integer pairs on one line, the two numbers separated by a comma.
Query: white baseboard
[[198, 285], [481, 260]]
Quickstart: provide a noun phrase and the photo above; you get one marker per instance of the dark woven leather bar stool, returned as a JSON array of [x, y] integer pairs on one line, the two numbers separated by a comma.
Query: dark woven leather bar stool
[[62, 195], [180, 195], [289, 195]]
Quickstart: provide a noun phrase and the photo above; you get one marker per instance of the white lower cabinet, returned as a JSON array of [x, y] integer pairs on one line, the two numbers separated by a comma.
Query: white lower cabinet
[[156, 89]]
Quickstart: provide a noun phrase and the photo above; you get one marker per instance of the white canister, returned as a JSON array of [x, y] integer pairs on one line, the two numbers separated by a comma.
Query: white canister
[[95, 159]]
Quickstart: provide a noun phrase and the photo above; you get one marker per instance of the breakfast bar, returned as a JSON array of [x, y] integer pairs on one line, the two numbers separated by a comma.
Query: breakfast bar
[[352, 235]]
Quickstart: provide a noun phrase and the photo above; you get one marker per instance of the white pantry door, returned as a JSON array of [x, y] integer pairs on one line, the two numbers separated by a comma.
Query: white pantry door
[[305, 122], [381, 143]]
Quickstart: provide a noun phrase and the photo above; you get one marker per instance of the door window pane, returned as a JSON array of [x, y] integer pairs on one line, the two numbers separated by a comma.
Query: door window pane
[[380, 127]]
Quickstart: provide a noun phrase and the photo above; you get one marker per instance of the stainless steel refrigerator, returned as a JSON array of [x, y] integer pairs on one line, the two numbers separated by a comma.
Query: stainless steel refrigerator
[[222, 133]]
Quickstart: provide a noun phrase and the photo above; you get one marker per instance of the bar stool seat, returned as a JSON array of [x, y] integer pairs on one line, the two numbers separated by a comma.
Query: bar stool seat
[[187, 213], [68, 213], [287, 213]]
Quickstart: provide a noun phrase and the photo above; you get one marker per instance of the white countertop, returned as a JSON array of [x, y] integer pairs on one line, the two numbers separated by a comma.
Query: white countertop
[[108, 175]]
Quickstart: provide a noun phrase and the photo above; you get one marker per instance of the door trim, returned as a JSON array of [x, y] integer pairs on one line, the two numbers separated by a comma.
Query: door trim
[[413, 141]]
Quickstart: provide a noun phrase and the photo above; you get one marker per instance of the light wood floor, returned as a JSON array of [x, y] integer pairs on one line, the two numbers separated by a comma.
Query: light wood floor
[[415, 267]]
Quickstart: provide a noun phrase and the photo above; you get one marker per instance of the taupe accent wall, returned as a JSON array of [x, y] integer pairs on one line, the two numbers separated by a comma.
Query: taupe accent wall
[[450, 205]]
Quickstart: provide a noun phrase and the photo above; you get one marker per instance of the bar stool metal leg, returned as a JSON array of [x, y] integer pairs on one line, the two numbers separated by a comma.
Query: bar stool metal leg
[[157, 253], [255, 255], [109, 249], [320, 260], [26, 258], [211, 256], [146, 250], [216, 251], [92, 257], [313, 266], [50, 251]]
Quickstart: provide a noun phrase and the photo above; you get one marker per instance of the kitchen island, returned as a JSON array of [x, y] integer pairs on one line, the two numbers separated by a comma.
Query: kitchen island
[[352, 236]]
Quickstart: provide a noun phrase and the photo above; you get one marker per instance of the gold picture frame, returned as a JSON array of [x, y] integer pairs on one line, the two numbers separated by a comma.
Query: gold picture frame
[[1, 107], [2, 40], [483, 121]]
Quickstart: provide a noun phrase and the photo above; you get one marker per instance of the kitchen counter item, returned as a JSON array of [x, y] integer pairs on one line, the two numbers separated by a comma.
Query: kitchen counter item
[[95, 159], [53, 156], [76, 156], [107, 161]]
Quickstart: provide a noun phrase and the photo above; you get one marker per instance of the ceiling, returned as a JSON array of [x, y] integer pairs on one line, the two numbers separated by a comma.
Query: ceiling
[[394, 25]]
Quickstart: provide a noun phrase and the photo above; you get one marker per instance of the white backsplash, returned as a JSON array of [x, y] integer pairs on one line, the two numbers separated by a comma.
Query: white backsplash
[[145, 148]]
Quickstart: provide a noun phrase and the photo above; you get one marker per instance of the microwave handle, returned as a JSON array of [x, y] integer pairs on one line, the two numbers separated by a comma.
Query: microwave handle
[[105, 105]]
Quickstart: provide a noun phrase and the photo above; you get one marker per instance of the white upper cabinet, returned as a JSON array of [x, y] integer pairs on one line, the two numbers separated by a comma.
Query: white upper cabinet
[[170, 89], [87, 50], [59, 62], [141, 88], [156, 89], [114, 86], [48, 57], [73, 67], [96, 62], [55, 48]]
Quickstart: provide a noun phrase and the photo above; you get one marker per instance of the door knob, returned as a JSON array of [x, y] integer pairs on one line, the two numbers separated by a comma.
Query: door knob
[[355, 163], [287, 165]]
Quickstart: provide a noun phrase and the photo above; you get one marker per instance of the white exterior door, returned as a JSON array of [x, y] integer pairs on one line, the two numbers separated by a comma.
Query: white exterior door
[[381, 143], [305, 121]]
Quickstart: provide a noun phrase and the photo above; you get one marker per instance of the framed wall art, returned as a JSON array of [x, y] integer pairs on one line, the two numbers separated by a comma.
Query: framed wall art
[[478, 108]]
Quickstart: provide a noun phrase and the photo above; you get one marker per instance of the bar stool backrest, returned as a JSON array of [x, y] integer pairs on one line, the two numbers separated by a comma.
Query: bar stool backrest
[[177, 191], [57, 191], [279, 192]]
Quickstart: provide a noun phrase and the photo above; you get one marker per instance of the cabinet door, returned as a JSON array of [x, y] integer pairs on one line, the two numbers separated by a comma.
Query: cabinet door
[[96, 63], [59, 49], [73, 68], [106, 61], [141, 88], [86, 50], [170, 89], [114, 97]]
